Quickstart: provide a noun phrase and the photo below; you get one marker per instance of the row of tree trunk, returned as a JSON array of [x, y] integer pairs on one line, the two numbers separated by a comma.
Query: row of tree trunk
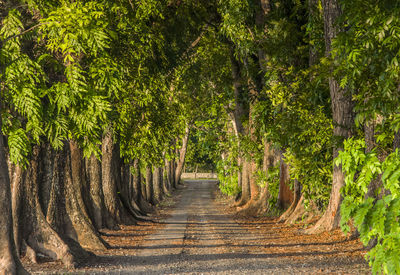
[[57, 206], [253, 197]]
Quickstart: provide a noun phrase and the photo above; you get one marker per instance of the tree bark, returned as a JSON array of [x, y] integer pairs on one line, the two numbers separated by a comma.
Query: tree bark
[[396, 140], [182, 155], [166, 178], [82, 229], [111, 178], [293, 206], [125, 192], [137, 186], [157, 176], [260, 206], [96, 192], [16, 201], [46, 168], [143, 187], [9, 260], [285, 195], [343, 120], [168, 174], [245, 197], [149, 185], [33, 232], [57, 216]]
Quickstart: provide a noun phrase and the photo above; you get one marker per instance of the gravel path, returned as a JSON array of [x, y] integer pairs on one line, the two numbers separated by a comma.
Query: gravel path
[[200, 239]]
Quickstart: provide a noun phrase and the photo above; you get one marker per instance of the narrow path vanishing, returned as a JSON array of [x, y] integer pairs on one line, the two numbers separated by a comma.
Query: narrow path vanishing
[[199, 237]]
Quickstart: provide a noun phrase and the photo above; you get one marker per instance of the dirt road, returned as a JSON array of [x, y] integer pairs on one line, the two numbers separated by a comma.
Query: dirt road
[[199, 238]]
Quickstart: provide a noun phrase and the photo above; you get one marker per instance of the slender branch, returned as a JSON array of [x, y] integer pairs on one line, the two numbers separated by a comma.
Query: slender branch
[[192, 45], [130, 3], [20, 34]]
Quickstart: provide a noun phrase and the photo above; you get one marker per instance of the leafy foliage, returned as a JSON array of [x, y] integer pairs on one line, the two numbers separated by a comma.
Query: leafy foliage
[[374, 218]]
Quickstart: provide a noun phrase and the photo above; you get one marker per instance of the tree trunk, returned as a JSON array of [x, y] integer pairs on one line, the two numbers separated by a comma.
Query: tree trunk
[[96, 192], [296, 214], [111, 178], [108, 181], [46, 168], [260, 205], [285, 196], [149, 185], [396, 140], [182, 155], [343, 120], [143, 187], [16, 201], [293, 206], [170, 173], [174, 166], [137, 186], [157, 196], [125, 193], [245, 197], [166, 177], [82, 229], [33, 232], [9, 260], [57, 216]]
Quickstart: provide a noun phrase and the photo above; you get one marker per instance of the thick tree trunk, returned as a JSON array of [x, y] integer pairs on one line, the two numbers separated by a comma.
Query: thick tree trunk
[[149, 185], [254, 188], [252, 192], [16, 197], [245, 197], [143, 187], [285, 196], [396, 140], [57, 216], [343, 120], [82, 229], [166, 177], [261, 206], [157, 188], [182, 155], [293, 206], [56, 210], [46, 168], [9, 260], [111, 178], [137, 186], [33, 232], [108, 184], [125, 191], [96, 192], [170, 173], [298, 212]]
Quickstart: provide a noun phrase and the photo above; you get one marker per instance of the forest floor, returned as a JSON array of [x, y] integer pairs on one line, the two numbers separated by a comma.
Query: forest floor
[[200, 234]]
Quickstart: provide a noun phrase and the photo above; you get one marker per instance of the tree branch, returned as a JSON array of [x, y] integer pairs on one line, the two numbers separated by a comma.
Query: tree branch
[[20, 34]]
